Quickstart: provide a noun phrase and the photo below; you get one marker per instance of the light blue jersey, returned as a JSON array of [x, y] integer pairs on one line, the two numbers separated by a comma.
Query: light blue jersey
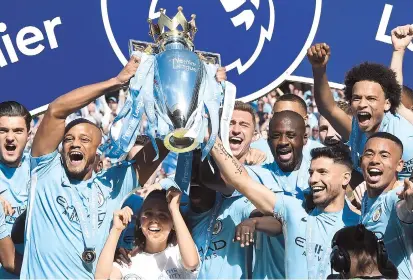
[[293, 183], [54, 241], [393, 124], [225, 259], [311, 144], [379, 216], [14, 185], [269, 251], [308, 236], [262, 145], [128, 235]]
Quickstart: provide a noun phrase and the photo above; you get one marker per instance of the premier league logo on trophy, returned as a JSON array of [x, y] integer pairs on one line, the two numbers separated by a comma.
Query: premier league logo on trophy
[[175, 87]]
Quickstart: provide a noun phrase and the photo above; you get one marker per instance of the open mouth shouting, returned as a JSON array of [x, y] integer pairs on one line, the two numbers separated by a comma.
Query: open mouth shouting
[[284, 154], [76, 157], [363, 118], [10, 149], [317, 189], [373, 175], [235, 142]]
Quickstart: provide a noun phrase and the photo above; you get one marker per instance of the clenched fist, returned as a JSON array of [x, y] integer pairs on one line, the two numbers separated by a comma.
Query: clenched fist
[[318, 55], [401, 37]]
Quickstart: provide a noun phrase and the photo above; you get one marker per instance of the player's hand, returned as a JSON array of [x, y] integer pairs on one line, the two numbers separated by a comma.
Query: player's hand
[[318, 55], [8, 209], [129, 70], [244, 232], [401, 37], [407, 194], [255, 157], [221, 75]]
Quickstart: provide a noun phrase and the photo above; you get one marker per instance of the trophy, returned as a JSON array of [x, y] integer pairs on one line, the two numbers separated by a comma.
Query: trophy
[[176, 88]]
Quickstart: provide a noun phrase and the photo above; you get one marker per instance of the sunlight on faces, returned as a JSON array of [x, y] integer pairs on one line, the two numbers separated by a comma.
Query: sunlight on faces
[[156, 220], [380, 161], [328, 135], [368, 105], [80, 144], [328, 180], [13, 140], [241, 132], [286, 140]]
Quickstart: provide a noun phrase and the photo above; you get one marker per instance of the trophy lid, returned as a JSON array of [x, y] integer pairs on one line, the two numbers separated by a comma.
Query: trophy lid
[[179, 29]]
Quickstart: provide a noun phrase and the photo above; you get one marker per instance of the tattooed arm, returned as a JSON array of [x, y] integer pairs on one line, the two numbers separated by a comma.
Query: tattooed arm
[[235, 175]]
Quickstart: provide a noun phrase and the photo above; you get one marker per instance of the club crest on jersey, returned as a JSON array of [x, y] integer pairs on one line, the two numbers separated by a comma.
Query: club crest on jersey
[[217, 227], [377, 214]]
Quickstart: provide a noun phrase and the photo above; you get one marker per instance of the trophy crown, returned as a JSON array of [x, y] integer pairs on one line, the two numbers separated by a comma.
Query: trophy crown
[[178, 28]]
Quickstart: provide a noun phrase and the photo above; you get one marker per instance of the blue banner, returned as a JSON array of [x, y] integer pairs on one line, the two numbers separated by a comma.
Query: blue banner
[[48, 48]]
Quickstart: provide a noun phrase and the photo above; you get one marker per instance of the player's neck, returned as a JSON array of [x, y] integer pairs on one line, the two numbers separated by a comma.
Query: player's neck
[[333, 206], [373, 192]]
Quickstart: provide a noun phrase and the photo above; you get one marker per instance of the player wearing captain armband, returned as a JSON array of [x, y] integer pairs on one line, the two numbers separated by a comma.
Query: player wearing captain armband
[[164, 246], [386, 209], [374, 95], [308, 236], [14, 168]]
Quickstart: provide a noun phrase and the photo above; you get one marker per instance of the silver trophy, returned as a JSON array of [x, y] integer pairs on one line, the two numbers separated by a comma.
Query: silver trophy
[[178, 73]]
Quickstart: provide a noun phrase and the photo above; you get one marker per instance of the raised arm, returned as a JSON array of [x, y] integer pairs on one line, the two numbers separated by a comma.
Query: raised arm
[[318, 55], [235, 175], [187, 247], [51, 130], [104, 267], [401, 37]]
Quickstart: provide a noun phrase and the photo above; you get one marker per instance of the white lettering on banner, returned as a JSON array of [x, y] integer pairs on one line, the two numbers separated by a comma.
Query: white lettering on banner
[[384, 22], [28, 40]]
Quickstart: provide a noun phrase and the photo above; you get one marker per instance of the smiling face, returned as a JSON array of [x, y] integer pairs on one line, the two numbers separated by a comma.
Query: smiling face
[[156, 220], [328, 181], [286, 139], [241, 132], [80, 144], [380, 162], [13, 139], [368, 104]]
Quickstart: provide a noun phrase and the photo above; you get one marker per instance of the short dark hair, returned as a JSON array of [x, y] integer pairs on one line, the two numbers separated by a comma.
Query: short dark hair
[[246, 107], [386, 135], [293, 98], [338, 153], [140, 239], [363, 245], [15, 109], [375, 73], [75, 122]]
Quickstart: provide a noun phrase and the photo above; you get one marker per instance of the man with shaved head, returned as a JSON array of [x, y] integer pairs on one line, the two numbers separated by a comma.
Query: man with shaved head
[[286, 138], [70, 206]]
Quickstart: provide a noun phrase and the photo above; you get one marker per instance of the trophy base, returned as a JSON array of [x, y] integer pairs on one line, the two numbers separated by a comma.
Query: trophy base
[[177, 142]]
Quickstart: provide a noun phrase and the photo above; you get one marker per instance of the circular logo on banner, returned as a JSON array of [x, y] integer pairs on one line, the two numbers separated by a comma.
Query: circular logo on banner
[[261, 42]]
